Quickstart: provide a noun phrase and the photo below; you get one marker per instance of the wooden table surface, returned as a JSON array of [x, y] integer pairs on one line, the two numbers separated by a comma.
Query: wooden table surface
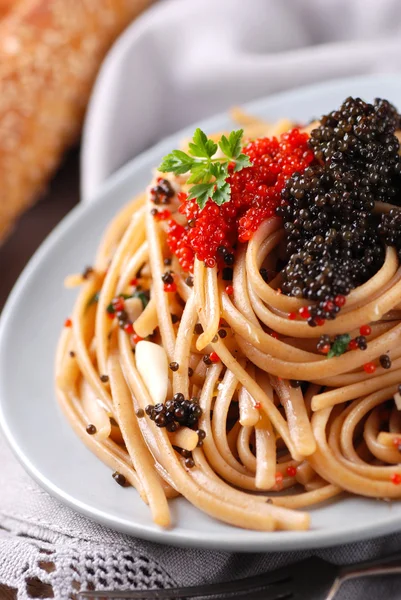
[[37, 223]]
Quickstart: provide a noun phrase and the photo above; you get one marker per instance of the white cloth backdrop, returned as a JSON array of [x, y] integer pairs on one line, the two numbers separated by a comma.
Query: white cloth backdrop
[[187, 59], [181, 61]]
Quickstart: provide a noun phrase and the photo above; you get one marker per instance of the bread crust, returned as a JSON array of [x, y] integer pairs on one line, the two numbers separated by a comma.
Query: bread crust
[[6, 6], [50, 52]]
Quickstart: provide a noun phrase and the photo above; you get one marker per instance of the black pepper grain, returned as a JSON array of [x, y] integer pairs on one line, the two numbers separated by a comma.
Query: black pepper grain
[[122, 315], [87, 272], [104, 378], [120, 479], [174, 366], [198, 329], [167, 277], [162, 192], [362, 342], [227, 274], [140, 413], [385, 361], [91, 429], [196, 410], [229, 259], [182, 451], [160, 419], [201, 434]]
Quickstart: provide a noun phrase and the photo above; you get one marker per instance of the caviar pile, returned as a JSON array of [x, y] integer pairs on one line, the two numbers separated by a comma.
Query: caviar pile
[[334, 242], [211, 234], [390, 229], [325, 188], [175, 412]]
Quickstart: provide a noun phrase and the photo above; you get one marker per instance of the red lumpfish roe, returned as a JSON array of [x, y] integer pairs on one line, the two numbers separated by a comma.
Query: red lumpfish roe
[[255, 195], [260, 186]]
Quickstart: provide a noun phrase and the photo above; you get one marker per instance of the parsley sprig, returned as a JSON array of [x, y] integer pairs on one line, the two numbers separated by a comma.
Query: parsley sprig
[[208, 174], [340, 345]]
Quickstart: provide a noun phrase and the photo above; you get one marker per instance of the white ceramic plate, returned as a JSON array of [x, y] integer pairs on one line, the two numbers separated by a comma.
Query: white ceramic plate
[[31, 323]]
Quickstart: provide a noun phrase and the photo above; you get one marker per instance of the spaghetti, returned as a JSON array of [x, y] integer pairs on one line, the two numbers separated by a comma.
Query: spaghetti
[[212, 383]]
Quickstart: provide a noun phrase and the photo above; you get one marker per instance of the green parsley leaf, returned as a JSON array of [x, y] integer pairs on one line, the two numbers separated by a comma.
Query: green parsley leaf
[[201, 146], [340, 345], [110, 309], [241, 162], [222, 194], [177, 162], [200, 173], [202, 192], [93, 299], [209, 174], [143, 297], [219, 171], [231, 147]]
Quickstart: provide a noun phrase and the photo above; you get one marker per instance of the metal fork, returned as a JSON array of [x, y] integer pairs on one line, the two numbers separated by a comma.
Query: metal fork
[[313, 578]]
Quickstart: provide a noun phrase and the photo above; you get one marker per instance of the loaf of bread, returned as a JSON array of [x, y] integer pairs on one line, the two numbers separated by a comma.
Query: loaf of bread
[[6, 6], [50, 52]]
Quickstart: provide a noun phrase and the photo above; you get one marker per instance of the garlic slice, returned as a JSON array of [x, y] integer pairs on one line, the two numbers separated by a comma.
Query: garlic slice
[[133, 308], [152, 364], [185, 438]]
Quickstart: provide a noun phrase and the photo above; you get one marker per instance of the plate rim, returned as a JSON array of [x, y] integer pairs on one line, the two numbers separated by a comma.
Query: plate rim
[[239, 539]]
